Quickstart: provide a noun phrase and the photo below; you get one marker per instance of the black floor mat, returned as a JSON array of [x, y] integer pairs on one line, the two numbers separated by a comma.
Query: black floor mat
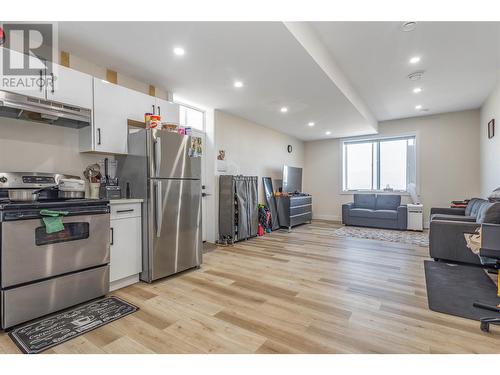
[[452, 289], [40, 335]]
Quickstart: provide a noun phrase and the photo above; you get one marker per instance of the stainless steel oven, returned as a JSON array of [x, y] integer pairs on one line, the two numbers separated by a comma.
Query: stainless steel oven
[[29, 253], [41, 272]]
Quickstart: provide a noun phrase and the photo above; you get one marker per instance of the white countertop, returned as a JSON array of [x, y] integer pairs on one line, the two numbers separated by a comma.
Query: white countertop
[[123, 201]]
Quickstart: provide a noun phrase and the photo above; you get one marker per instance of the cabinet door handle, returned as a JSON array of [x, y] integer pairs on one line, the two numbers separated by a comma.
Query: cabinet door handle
[[112, 235], [98, 136], [52, 82], [41, 80], [153, 109], [159, 111], [122, 211]]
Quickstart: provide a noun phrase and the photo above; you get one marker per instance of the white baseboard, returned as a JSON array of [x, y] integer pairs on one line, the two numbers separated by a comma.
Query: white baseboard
[[327, 217], [122, 283]]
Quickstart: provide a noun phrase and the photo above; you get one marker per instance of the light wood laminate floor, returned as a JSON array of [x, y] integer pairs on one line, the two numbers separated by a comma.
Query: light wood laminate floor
[[301, 292]]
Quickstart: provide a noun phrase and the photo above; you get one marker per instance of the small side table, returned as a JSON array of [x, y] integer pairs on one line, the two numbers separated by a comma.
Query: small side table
[[415, 217]]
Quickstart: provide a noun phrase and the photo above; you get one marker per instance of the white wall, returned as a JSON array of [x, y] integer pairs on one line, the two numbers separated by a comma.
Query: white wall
[[35, 147], [490, 148], [252, 150], [255, 150], [447, 162]]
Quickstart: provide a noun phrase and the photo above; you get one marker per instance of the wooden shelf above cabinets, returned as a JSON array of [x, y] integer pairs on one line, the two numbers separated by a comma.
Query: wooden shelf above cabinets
[[136, 124]]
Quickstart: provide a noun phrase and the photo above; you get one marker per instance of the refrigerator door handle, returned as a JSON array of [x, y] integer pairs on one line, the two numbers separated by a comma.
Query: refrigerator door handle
[[158, 208], [157, 156]]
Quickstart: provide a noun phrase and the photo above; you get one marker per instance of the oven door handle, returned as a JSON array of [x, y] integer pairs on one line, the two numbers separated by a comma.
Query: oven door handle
[[158, 208]]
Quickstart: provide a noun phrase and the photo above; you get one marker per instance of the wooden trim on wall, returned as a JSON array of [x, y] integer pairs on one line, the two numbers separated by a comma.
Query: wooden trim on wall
[[111, 76], [64, 59], [152, 90]]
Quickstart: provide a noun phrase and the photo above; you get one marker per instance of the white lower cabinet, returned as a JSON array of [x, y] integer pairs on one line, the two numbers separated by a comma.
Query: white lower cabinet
[[126, 244]]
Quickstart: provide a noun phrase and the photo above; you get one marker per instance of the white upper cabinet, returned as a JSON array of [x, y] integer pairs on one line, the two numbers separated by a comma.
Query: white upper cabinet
[[113, 106], [137, 104], [168, 111], [70, 87], [109, 128], [25, 85]]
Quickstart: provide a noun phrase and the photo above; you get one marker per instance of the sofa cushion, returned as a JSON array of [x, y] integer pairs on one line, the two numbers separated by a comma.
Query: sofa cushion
[[388, 202], [361, 212], [453, 217], [366, 213], [473, 206], [365, 201], [489, 213], [386, 214]]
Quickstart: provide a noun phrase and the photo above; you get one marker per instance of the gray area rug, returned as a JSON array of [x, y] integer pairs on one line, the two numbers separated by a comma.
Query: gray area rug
[[40, 335], [401, 236], [453, 288]]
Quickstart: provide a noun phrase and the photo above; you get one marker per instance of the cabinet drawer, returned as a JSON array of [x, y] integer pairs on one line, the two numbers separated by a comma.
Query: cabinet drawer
[[34, 300], [300, 219], [297, 210], [124, 210], [300, 201]]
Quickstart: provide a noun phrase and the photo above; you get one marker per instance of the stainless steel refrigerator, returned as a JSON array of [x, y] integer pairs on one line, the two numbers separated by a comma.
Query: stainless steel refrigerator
[[162, 168]]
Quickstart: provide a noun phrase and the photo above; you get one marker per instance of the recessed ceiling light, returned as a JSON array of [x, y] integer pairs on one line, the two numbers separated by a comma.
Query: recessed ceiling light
[[328, 132], [284, 109], [418, 107], [179, 51], [416, 90], [311, 124], [414, 59], [408, 26], [238, 84], [415, 76]]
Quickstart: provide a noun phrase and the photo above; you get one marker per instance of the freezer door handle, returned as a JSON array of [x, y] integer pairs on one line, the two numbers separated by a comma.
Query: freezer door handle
[[158, 208], [157, 150]]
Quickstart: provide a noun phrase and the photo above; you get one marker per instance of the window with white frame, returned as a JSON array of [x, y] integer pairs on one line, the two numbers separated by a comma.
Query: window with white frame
[[379, 164], [192, 117]]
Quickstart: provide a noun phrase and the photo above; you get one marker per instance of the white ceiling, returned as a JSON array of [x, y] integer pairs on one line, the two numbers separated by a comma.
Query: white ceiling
[[275, 69], [461, 61], [341, 75]]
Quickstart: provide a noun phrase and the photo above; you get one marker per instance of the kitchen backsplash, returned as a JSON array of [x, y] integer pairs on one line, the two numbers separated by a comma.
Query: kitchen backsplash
[[31, 146]]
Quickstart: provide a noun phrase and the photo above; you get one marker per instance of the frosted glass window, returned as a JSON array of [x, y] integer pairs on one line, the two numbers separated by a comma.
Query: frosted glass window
[[191, 117]]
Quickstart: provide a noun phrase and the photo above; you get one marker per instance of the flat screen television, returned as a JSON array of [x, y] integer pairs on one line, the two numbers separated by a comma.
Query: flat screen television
[[292, 179]]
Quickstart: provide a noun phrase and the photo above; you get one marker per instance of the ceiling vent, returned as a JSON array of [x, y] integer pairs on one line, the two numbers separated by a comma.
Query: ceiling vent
[[408, 26], [415, 76]]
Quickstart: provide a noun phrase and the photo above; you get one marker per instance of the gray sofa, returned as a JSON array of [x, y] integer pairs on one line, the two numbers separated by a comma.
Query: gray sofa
[[448, 225], [377, 211]]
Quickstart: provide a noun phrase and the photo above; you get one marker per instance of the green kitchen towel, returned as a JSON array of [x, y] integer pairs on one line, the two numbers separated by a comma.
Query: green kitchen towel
[[52, 220]]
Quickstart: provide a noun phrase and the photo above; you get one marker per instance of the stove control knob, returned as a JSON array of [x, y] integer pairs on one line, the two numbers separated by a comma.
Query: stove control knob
[[3, 179]]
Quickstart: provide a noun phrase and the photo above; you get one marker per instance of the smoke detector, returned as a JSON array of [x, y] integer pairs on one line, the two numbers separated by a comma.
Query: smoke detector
[[415, 76], [408, 26]]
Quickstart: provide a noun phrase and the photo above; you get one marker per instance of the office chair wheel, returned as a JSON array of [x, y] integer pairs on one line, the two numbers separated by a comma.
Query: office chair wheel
[[485, 326]]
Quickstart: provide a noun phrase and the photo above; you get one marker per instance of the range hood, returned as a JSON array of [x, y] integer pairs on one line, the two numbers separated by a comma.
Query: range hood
[[39, 110]]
